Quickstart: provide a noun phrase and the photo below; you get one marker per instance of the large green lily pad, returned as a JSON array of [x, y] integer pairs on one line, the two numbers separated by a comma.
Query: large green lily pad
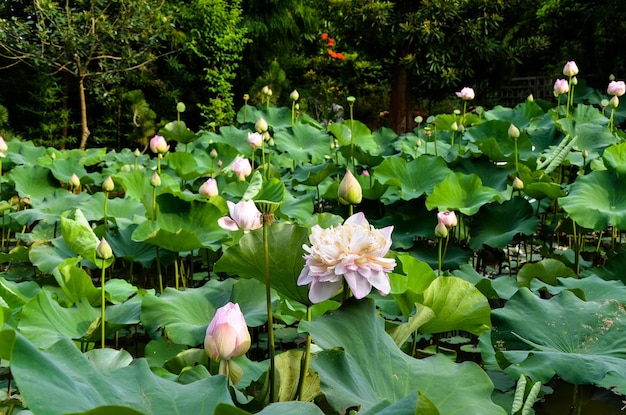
[[361, 366], [581, 342]]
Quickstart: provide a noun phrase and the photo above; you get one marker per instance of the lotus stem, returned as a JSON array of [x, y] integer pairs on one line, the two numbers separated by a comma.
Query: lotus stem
[[158, 264], [176, 274], [306, 358], [103, 307], [270, 317], [439, 258]]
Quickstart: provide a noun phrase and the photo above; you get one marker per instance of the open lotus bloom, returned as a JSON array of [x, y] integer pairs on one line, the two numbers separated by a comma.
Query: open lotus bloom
[[354, 251], [243, 216], [466, 94]]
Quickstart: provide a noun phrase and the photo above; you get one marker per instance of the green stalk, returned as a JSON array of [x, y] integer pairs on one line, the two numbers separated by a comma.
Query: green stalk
[[306, 358], [516, 161], [270, 317], [176, 274], [106, 222], [103, 307], [158, 264], [293, 113], [439, 259]]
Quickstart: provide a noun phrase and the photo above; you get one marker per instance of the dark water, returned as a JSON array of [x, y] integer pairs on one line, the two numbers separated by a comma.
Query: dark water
[[596, 401]]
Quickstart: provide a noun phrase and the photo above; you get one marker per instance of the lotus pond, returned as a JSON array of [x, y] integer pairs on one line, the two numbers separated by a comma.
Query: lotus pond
[[115, 263]]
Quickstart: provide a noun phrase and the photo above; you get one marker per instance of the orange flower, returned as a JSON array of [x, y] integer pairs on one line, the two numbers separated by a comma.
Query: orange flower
[[331, 42], [332, 54], [340, 56], [324, 36]]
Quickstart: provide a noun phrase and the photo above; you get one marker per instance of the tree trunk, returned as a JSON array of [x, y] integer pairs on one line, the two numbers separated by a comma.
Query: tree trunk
[[399, 112], [83, 113]]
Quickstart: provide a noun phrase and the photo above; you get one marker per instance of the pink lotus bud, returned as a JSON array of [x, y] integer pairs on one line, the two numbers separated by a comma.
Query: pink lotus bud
[[159, 145], [243, 216], [365, 172], [617, 88], [614, 101], [3, 145], [255, 140], [447, 217], [570, 69], [227, 335], [349, 192], [561, 86], [108, 184], [466, 94], [242, 168], [74, 180], [209, 188], [103, 250], [155, 180]]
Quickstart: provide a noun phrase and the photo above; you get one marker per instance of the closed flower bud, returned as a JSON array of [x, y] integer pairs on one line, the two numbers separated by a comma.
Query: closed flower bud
[[255, 140], [614, 101], [466, 94], [454, 126], [227, 335], [294, 95], [261, 125], [74, 180], [441, 231], [561, 86], [180, 107], [513, 132], [617, 88], [242, 168], [530, 98], [570, 69], [209, 188], [349, 192], [155, 181], [108, 184], [518, 184], [3, 145], [447, 217], [265, 90], [103, 250], [159, 145], [213, 154], [574, 80], [137, 153]]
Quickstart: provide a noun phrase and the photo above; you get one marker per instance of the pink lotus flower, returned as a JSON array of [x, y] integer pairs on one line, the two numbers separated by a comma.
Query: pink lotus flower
[[255, 140], [159, 145], [617, 88], [209, 188], [354, 251], [242, 168], [561, 86], [227, 335], [3, 147], [570, 69], [243, 216], [447, 217], [466, 94]]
